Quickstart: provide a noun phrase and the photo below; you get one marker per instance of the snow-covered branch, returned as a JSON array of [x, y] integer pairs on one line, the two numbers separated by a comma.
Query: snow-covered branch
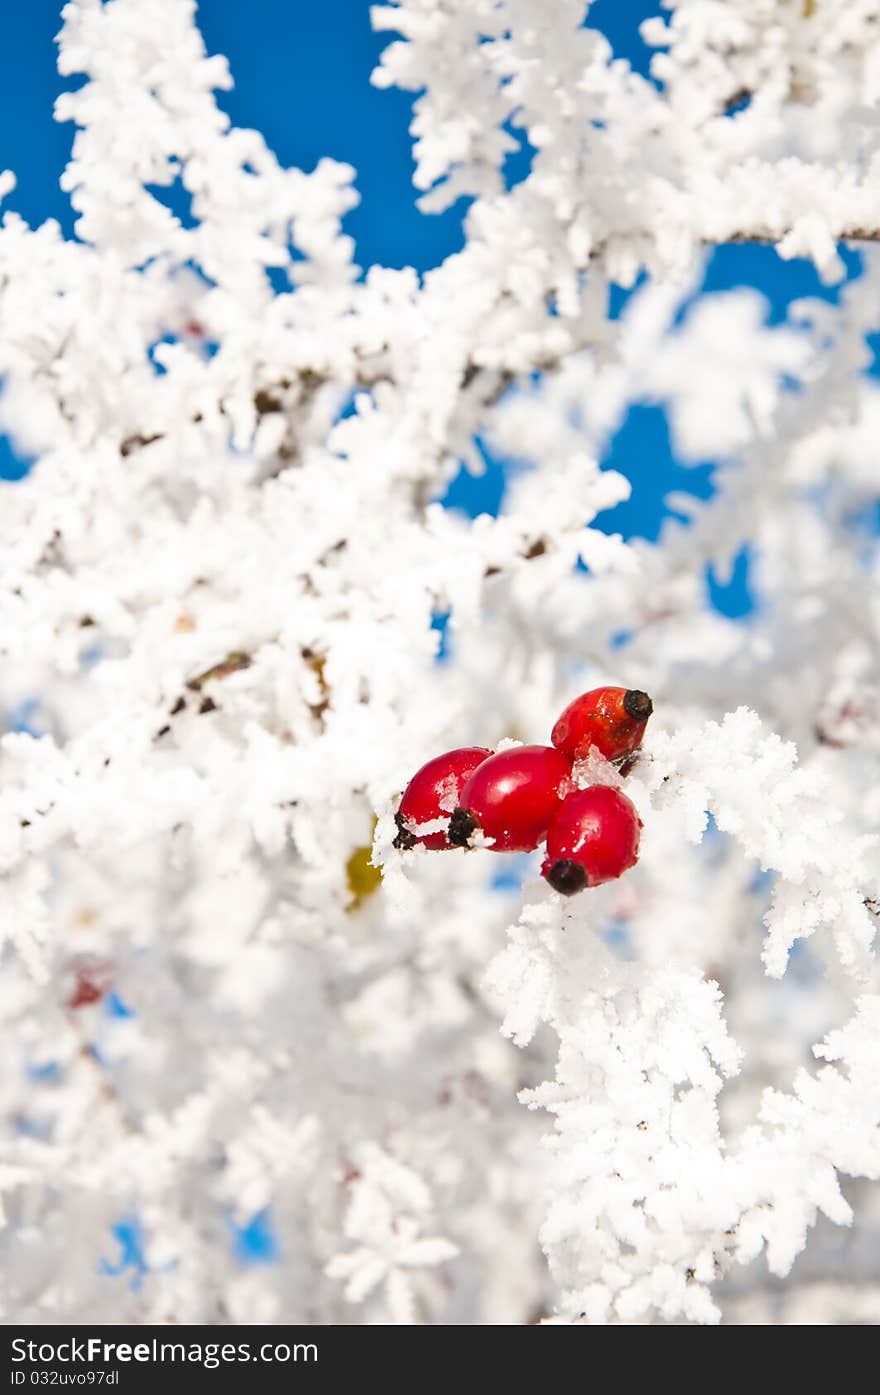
[[238, 1018]]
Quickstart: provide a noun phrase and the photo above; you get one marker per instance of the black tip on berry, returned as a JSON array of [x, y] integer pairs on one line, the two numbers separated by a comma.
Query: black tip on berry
[[404, 839], [638, 705], [461, 826], [566, 877]]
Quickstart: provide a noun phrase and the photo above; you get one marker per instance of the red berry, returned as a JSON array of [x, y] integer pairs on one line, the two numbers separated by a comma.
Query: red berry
[[594, 837], [609, 720], [512, 798], [91, 980], [433, 793]]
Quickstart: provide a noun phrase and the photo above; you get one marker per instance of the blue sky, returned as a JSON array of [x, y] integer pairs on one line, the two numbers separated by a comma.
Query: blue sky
[[302, 78]]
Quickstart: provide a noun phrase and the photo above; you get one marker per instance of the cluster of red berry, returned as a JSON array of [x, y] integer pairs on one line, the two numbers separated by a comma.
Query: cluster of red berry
[[519, 797]]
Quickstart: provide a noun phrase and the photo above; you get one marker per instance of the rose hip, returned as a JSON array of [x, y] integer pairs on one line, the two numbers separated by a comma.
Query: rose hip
[[593, 839], [511, 798], [433, 793], [611, 721]]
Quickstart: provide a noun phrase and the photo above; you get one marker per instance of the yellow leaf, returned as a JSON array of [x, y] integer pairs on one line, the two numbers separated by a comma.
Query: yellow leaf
[[361, 876]]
